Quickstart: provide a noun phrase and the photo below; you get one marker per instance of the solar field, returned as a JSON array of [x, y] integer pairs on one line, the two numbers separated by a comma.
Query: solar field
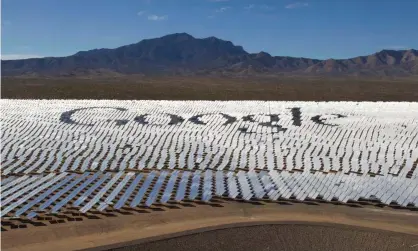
[[63, 157]]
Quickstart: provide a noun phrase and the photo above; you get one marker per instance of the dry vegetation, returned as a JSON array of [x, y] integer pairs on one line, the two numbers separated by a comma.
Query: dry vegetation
[[211, 88]]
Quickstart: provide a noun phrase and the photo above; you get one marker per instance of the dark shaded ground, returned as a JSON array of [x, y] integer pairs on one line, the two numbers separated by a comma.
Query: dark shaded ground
[[207, 88], [282, 237]]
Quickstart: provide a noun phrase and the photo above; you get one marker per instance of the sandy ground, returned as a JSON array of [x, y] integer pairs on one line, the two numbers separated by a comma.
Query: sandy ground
[[126, 228], [289, 237]]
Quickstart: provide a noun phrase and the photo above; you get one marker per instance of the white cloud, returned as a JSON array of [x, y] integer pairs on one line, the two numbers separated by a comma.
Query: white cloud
[[157, 18], [266, 7], [249, 7], [263, 7], [19, 56], [296, 5], [140, 13], [223, 9]]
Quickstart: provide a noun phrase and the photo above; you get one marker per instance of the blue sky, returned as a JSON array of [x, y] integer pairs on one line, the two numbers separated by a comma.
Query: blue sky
[[312, 28]]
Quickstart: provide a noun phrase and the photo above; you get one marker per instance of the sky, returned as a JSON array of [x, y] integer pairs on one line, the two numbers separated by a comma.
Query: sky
[[313, 28]]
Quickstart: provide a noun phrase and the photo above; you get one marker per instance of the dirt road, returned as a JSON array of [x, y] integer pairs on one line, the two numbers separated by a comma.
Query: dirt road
[[113, 230]]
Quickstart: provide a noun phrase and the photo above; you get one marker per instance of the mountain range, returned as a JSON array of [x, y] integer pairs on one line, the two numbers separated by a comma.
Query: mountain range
[[183, 54]]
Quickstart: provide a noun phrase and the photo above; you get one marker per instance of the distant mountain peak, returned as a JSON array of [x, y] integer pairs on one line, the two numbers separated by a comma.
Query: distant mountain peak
[[211, 38], [181, 53], [389, 51], [178, 36], [262, 54]]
